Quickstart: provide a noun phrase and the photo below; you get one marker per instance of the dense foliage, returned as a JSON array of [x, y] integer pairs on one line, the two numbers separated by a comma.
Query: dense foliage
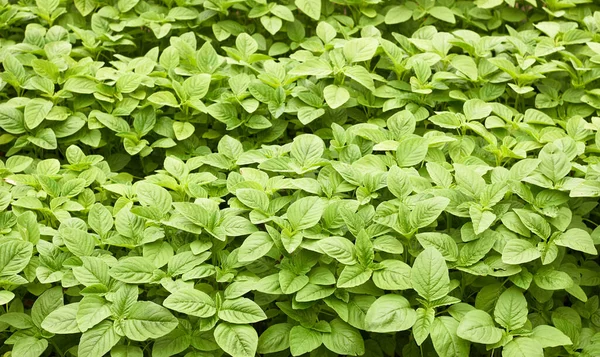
[[299, 177]]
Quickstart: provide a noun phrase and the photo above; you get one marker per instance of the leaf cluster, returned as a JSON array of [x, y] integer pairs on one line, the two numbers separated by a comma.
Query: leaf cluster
[[306, 178]]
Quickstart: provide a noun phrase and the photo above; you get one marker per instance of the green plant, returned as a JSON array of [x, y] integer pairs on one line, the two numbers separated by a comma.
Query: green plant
[[320, 178]]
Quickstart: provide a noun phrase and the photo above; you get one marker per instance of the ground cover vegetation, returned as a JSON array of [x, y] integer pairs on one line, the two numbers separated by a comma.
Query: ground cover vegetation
[[299, 177]]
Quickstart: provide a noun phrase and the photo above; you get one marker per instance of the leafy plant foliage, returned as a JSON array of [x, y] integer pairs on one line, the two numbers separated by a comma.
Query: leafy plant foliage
[[318, 178]]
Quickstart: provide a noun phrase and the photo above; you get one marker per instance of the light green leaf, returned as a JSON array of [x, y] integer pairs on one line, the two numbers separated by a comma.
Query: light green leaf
[[534, 222], [344, 339], [427, 211], [147, 320], [62, 320], [422, 326], [445, 340], [36, 111], [398, 14], [549, 336], [276, 338], [511, 309], [191, 302], [163, 98], [411, 151], [429, 275], [390, 313], [523, 347], [576, 239], [440, 241], [27, 346], [303, 340], [240, 311], [443, 13], [92, 310], [312, 8], [360, 49], [97, 341], [335, 96], [237, 340], [133, 270], [477, 326], [305, 212], [548, 278], [255, 246], [519, 251]]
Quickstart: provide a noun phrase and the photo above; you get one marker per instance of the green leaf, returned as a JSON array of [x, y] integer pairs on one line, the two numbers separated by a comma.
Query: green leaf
[[476, 109], [429, 275], [523, 347], [237, 340], [392, 275], [62, 320], [97, 341], [312, 8], [14, 256], [27, 346], [511, 309], [442, 13], [276, 338], [519, 251], [360, 49], [307, 149], [78, 242], [353, 275], [335, 96], [344, 339], [554, 164], [303, 340], [465, 65], [81, 85], [246, 44], [240, 311], [339, 248], [163, 98], [147, 320], [92, 310], [126, 351], [482, 219], [50, 300], [305, 212], [550, 279], [133, 270], [290, 283], [36, 110], [85, 7], [398, 14], [183, 130], [576, 239], [411, 151], [175, 342], [534, 222], [549, 336], [197, 86], [45, 139], [442, 242], [390, 313], [255, 246], [151, 195], [398, 182], [427, 211], [477, 326], [422, 325], [445, 340], [191, 302], [6, 297]]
